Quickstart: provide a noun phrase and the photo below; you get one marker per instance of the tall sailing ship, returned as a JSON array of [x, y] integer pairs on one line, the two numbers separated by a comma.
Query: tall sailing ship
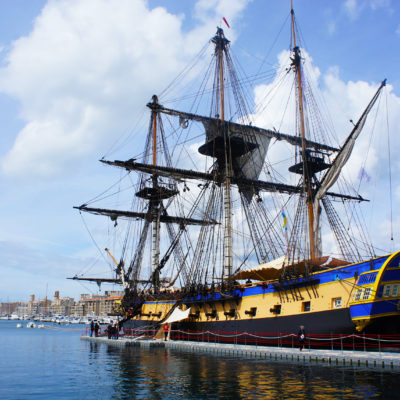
[[217, 240]]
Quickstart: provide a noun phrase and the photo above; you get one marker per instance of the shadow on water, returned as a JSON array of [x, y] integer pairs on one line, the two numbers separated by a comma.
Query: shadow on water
[[169, 374]]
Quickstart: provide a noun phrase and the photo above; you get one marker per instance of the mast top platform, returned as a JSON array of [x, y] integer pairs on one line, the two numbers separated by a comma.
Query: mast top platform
[[220, 40], [154, 105]]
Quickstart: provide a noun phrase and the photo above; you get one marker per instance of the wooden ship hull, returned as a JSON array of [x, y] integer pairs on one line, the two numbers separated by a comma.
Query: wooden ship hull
[[361, 297]]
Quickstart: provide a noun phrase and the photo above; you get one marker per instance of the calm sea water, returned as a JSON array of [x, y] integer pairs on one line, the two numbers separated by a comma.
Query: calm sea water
[[56, 364]]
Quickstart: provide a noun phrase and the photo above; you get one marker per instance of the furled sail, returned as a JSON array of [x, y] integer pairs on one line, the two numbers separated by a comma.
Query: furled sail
[[246, 146], [291, 139]]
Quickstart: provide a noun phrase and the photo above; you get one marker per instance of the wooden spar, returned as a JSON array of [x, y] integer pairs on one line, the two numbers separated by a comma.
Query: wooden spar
[[221, 78], [112, 257], [254, 130], [156, 223], [154, 138], [306, 176]]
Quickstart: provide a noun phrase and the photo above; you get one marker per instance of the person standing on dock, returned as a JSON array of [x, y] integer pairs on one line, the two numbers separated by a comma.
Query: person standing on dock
[[96, 329], [109, 330], [302, 337], [166, 329], [91, 328], [115, 331]]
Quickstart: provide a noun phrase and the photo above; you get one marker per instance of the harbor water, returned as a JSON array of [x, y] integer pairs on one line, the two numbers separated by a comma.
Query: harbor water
[[53, 363]]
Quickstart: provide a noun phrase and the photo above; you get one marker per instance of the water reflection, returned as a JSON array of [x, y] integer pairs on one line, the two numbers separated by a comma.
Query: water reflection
[[55, 364], [169, 374]]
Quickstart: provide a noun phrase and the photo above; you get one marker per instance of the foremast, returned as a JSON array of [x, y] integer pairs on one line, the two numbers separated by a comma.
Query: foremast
[[312, 162], [296, 63]]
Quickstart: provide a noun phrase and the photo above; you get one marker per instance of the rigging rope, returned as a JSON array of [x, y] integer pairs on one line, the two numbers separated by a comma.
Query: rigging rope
[[390, 169], [94, 241]]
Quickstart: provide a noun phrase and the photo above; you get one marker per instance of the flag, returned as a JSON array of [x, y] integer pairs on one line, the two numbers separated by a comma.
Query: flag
[[362, 174], [224, 19], [285, 230], [284, 220]]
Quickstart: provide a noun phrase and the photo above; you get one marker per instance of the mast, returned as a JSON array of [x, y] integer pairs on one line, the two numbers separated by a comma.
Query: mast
[[155, 202], [45, 301], [220, 46], [306, 172]]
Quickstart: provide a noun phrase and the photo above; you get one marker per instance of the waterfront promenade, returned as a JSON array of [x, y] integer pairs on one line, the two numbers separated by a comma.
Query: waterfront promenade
[[377, 360]]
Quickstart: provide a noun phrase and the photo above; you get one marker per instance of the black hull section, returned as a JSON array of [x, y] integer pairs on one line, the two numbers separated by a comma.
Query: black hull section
[[324, 322], [384, 325]]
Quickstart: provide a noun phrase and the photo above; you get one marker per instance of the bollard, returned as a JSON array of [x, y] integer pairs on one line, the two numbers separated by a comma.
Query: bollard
[[364, 340]]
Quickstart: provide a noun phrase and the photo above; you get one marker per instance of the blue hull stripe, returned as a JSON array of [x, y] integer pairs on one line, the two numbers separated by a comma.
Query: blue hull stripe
[[373, 309]]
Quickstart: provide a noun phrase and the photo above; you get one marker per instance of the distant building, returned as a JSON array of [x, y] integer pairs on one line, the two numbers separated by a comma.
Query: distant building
[[88, 304], [101, 305]]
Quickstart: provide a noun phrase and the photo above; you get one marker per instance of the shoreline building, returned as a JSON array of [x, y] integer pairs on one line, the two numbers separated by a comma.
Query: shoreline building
[[105, 304]]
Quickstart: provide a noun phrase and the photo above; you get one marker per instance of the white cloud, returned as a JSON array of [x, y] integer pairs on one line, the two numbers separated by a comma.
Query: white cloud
[[353, 8], [374, 4], [215, 10], [331, 27], [85, 66]]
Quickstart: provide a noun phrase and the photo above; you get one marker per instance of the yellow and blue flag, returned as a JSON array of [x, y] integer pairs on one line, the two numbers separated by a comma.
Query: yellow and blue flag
[[284, 220]]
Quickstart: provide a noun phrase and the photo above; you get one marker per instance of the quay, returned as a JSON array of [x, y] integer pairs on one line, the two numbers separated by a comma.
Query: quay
[[378, 360]]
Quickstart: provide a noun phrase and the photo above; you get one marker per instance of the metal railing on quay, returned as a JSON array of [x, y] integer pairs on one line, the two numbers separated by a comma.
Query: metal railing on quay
[[337, 341], [142, 332], [333, 341]]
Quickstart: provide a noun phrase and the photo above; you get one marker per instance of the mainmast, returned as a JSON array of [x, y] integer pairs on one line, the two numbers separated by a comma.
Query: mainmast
[[155, 203], [307, 175], [221, 44]]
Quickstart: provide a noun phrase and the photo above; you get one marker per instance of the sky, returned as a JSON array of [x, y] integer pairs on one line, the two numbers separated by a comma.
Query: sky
[[75, 76]]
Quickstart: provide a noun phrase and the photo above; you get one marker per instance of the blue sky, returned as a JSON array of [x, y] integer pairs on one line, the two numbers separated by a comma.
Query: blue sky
[[69, 91]]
